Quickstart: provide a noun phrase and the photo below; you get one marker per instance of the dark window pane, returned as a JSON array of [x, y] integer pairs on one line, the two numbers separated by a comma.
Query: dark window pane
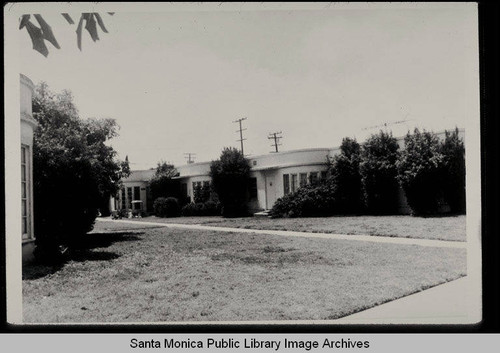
[[253, 188], [286, 184], [303, 179], [313, 177], [293, 187]]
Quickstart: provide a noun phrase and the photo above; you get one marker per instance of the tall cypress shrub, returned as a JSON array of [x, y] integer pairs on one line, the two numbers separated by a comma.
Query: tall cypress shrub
[[345, 175], [230, 176], [378, 170], [420, 172], [453, 151]]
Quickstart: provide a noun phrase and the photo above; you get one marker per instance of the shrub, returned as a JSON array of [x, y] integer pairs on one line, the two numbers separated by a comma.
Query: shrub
[[420, 172], [453, 151], [308, 201], [122, 213], [378, 173], [344, 173], [166, 207], [212, 208], [189, 210], [209, 208], [230, 176]]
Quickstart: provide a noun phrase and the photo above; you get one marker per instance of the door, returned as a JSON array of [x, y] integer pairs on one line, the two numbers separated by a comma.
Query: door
[[271, 187]]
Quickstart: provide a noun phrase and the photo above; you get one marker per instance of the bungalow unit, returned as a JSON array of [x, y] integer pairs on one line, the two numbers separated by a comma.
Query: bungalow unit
[[272, 176]]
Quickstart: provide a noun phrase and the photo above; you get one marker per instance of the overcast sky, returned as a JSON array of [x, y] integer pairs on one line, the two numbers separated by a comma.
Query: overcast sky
[[176, 80]]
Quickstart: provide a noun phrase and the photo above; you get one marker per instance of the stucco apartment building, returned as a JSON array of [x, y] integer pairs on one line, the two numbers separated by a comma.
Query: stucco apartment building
[[272, 176]]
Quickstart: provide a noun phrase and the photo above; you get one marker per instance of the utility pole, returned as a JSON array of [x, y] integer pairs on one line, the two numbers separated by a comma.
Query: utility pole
[[188, 155], [241, 133], [274, 136]]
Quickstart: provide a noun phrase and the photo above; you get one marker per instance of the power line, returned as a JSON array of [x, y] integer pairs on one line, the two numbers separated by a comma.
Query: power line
[[386, 124], [241, 133], [188, 155], [275, 136]]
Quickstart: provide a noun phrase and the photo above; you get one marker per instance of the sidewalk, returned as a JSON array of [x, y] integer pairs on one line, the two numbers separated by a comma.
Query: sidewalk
[[447, 303], [369, 238]]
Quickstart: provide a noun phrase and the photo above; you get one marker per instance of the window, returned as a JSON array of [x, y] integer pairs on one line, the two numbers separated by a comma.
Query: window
[[25, 193], [137, 196], [184, 189], [293, 184], [252, 189], [123, 199], [129, 198], [286, 184], [206, 184], [313, 177], [323, 175], [303, 179]]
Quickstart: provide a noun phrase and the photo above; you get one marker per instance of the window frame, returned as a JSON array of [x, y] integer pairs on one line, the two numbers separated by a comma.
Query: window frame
[[293, 182], [286, 184], [26, 231], [302, 179]]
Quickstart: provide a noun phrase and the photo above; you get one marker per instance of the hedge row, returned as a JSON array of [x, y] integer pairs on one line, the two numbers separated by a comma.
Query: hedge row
[[367, 179]]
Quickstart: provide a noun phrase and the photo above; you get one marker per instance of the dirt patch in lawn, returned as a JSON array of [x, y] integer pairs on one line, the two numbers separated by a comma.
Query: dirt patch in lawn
[[175, 275]]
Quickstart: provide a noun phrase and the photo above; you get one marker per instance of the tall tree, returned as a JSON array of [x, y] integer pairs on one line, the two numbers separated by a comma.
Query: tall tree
[[420, 172], [345, 175], [74, 170], [162, 183], [378, 173], [230, 176], [453, 151]]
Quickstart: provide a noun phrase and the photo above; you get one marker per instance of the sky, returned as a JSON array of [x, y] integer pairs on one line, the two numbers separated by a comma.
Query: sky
[[176, 80]]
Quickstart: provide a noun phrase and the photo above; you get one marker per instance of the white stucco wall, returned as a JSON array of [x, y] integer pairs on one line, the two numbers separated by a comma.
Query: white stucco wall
[[28, 124]]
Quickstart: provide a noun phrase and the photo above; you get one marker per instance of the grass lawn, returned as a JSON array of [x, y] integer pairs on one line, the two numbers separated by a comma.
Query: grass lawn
[[438, 228], [136, 273]]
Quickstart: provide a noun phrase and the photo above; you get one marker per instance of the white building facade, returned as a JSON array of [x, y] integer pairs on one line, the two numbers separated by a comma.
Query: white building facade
[[28, 125], [272, 176]]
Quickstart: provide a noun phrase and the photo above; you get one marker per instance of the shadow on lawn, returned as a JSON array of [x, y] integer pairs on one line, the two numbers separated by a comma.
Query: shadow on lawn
[[103, 240], [81, 251]]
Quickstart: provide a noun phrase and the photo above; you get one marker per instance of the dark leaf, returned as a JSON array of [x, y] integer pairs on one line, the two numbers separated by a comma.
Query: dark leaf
[[37, 38], [79, 32], [24, 20], [47, 31], [100, 22], [91, 27], [68, 18]]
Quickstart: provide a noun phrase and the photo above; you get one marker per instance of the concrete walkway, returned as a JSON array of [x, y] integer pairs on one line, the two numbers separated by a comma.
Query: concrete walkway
[[449, 303], [369, 238]]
